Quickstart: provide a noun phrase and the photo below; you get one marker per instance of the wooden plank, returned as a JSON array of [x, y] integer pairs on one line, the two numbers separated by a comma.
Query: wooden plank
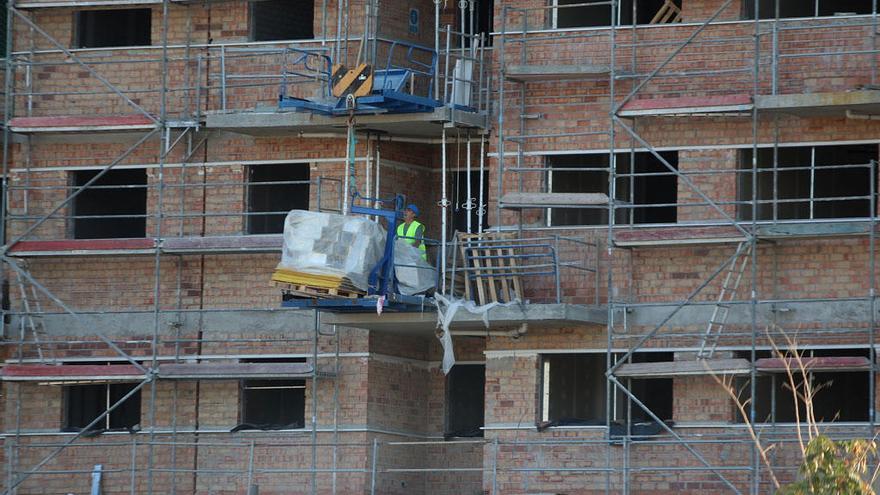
[[836, 363], [548, 72], [545, 200], [517, 280], [234, 243], [232, 371], [74, 123], [476, 265], [677, 235], [734, 104], [490, 274], [465, 263], [320, 292], [684, 368], [661, 13], [83, 245], [71, 372], [503, 263]]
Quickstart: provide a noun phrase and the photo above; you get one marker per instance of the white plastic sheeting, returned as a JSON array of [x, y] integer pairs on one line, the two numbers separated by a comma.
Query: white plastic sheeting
[[414, 275], [446, 309], [331, 244]]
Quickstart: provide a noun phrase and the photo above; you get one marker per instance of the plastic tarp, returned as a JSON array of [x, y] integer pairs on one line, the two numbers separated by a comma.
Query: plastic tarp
[[332, 244], [446, 309], [414, 274]]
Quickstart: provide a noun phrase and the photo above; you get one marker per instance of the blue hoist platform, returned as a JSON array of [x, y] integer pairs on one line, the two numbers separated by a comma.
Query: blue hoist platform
[[403, 85], [382, 282]]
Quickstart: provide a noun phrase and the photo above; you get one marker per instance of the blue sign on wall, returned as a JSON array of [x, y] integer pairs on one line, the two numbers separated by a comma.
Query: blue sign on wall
[[413, 21]]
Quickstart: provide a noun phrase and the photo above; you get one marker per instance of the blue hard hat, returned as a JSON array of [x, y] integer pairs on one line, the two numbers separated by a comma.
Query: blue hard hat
[[414, 208]]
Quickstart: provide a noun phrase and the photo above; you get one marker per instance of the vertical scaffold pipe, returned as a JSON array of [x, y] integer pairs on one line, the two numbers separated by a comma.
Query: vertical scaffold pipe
[[481, 206], [469, 203], [444, 204], [348, 184], [436, 47]]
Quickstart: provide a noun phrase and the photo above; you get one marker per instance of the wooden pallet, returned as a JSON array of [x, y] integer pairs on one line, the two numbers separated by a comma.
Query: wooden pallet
[[315, 286], [668, 14], [486, 280], [307, 291]]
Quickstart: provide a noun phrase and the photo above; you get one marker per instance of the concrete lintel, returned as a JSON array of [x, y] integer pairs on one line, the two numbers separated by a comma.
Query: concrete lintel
[[139, 324], [822, 104], [500, 318], [544, 72], [784, 313], [418, 125], [84, 3]]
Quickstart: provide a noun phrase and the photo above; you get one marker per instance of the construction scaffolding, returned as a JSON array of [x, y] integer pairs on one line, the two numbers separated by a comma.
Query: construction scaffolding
[[759, 80], [538, 253]]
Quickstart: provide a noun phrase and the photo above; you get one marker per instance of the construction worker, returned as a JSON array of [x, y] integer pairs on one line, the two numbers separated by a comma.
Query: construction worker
[[411, 230]]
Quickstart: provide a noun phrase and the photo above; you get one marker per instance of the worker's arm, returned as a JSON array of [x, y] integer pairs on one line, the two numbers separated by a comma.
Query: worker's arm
[[420, 234]]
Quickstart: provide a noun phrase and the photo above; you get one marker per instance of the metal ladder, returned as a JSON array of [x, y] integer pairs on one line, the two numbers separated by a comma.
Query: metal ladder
[[732, 278], [27, 322]]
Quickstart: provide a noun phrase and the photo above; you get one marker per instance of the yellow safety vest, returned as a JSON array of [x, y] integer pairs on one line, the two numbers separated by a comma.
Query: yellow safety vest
[[409, 235]]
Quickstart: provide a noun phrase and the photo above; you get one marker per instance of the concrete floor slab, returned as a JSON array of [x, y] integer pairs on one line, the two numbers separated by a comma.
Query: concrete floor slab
[[833, 104], [417, 125], [502, 318]]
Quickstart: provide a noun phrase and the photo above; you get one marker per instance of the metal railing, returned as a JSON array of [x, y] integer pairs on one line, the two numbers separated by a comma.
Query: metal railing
[[539, 263], [321, 194], [493, 465]]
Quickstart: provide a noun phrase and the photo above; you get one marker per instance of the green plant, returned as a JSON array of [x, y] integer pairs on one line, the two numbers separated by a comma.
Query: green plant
[[827, 466], [833, 467]]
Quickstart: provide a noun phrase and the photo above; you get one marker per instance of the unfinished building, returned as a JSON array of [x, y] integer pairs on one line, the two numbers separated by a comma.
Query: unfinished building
[[653, 191]]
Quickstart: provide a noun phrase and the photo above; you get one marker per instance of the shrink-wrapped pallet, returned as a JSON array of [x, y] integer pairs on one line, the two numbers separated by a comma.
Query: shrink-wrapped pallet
[[414, 275], [330, 244]]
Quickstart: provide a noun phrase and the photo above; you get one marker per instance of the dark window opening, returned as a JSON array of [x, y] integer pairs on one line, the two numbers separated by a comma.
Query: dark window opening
[[574, 387], [273, 190], [810, 182], [113, 207], [809, 8], [273, 404], [843, 395], [460, 211], [278, 20], [600, 15], [649, 183], [3, 18], [483, 19], [84, 403], [465, 400], [107, 28]]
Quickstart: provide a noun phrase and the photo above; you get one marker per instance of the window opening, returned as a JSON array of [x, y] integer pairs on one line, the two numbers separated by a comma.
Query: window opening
[[272, 191], [810, 182], [84, 403], [484, 12], [277, 20], [600, 15], [113, 207], [109, 28], [465, 398], [272, 404], [574, 387], [650, 183], [810, 8], [842, 397], [460, 212]]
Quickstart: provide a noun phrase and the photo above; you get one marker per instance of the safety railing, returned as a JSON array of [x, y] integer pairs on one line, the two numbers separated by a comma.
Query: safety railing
[[252, 206], [466, 71], [708, 456], [535, 268], [806, 188]]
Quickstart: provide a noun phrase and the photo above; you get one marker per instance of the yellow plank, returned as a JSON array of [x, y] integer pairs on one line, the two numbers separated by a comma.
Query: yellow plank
[[298, 278]]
